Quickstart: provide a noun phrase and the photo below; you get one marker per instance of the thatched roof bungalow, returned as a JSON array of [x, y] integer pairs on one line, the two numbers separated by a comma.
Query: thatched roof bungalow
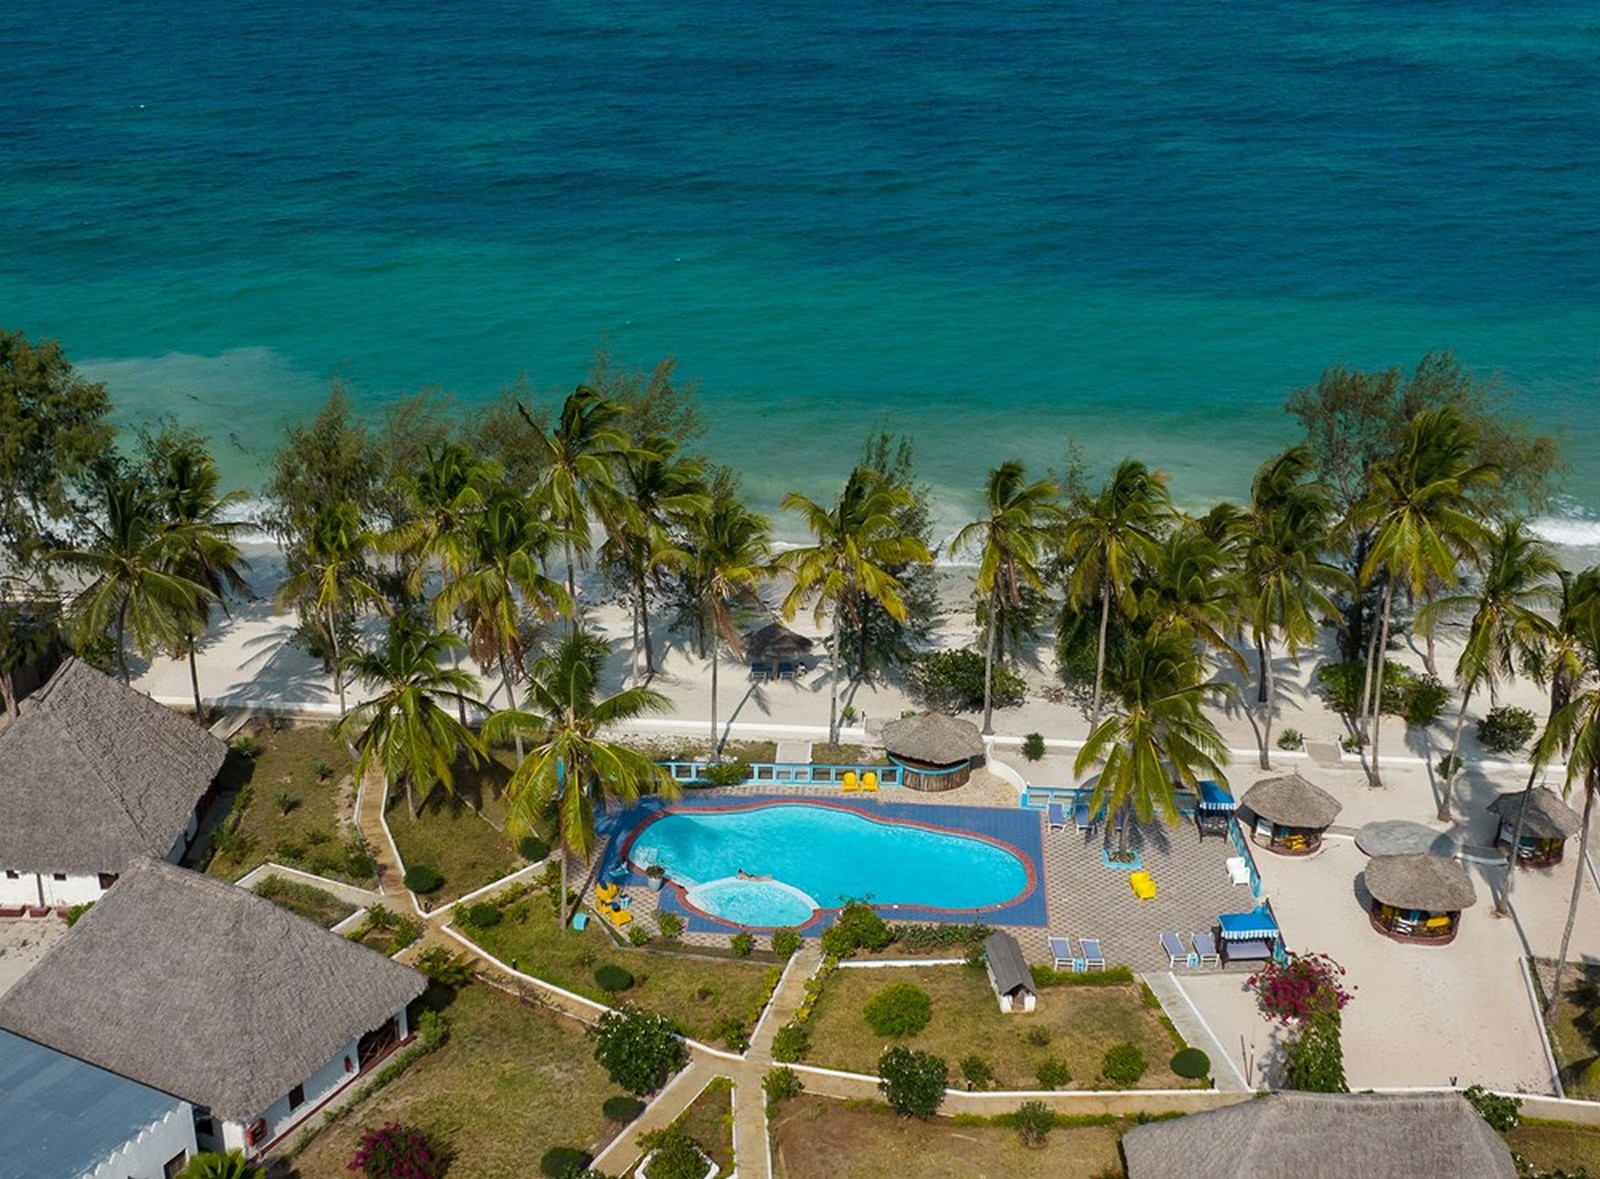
[[92, 775], [1546, 827], [937, 752], [776, 650], [1418, 898], [1323, 1136], [1291, 814], [206, 991]]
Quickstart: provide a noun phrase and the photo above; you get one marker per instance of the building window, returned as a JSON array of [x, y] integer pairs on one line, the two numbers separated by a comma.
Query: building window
[[205, 1126], [58, 876], [175, 1165], [107, 879], [297, 1097], [10, 875]]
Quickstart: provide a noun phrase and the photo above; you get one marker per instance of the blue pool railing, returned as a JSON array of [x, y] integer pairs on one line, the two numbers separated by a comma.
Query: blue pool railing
[[790, 773]]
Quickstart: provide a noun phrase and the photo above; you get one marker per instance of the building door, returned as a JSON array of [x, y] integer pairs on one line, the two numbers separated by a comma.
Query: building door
[[376, 1042]]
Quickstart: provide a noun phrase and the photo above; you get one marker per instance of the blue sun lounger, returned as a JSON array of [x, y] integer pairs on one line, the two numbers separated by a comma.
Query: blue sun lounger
[[1094, 957], [1056, 818], [1080, 814], [1061, 951]]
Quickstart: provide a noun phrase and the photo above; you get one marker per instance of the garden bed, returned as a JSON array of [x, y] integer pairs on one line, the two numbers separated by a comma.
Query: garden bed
[[1552, 1146], [312, 903], [1575, 1030], [1073, 1026], [709, 1121]]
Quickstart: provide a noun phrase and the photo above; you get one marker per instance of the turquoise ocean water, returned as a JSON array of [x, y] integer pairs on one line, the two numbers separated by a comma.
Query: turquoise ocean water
[[989, 226]]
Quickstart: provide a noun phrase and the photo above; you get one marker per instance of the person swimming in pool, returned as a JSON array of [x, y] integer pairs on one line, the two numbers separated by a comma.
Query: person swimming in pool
[[743, 875]]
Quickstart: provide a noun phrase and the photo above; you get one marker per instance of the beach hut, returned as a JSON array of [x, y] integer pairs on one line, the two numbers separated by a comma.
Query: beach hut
[[1248, 937], [775, 650], [1008, 973], [1546, 828], [937, 752], [1291, 814], [1323, 1136], [1418, 898], [1214, 809]]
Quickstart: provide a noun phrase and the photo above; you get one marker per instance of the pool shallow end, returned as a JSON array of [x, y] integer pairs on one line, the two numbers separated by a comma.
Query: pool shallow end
[[758, 904]]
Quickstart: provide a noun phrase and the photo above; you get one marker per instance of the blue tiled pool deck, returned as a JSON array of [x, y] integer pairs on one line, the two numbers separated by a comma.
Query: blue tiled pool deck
[[1017, 829]]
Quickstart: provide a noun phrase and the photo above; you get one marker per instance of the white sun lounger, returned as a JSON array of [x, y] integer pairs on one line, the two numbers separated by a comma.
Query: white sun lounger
[[1061, 951], [1177, 955], [1093, 957], [1238, 870], [1206, 950]]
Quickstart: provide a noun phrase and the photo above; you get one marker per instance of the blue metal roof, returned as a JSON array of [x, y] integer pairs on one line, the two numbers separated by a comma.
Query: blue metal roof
[[61, 1117], [1248, 927], [1214, 797]]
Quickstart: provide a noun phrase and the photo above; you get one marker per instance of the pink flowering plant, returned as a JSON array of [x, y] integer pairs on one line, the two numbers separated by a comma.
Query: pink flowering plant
[[1305, 986], [398, 1152]]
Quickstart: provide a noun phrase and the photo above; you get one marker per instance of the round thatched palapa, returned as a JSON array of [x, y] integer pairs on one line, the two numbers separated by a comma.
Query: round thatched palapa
[[1548, 817], [1403, 837], [775, 642], [1432, 884], [1292, 802], [933, 739]]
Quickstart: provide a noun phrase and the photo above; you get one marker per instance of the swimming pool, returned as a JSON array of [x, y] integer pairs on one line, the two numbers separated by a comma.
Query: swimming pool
[[828, 855]]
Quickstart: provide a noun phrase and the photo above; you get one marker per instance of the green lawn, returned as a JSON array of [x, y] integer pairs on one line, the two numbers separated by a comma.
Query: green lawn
[[310, 902], [709, 1121], [817, 1138], [1077, 1025], [699, 993], [510, 1083], [1557, 1145], [1575, 1031], [310, 768]]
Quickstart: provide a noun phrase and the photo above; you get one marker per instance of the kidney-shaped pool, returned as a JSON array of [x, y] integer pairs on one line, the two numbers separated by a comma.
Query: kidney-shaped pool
[[827, 855]]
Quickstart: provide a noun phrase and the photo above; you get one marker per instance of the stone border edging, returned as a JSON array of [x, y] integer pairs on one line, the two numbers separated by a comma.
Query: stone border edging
[[852, 964], [1544, 1034]]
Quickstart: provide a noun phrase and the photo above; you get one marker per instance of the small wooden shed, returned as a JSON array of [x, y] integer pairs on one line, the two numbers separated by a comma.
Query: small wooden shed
[[936, 751], [1008, 973], [1546, 827], [1291, 814], [1418, 898]]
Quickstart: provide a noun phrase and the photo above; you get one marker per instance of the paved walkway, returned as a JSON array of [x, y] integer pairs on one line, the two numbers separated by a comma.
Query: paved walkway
[[369, 818]]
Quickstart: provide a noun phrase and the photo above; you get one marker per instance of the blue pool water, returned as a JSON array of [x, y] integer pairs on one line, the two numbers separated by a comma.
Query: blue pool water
[[765, 903], [830, 854]]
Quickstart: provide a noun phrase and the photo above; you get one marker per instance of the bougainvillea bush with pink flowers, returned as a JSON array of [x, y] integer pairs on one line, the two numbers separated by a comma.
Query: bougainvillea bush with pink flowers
[[399, 1152], [1305, 986]]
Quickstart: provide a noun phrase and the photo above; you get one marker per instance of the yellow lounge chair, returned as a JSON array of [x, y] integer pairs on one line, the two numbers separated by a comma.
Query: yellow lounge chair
[[850, 785], [1144, 887], [869, 783], [617, 916], [606, 893]]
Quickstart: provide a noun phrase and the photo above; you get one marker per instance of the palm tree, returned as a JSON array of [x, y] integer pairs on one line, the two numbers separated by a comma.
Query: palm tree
[[1421, 511], [573, 765], [1106, 539], [1012, 536], [856, 543], [334, 579], [187, 499], [1506, 630], [137, 588], [1191, 588], [1287, 585], [728, 558], [1155, 732], [216, 1164], [403, 728], [578, 459], [445, 496]]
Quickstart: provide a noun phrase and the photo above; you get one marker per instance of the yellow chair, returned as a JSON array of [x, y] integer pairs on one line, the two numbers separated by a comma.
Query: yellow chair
[[617, 916], [606, 893], [869, 783], [850, 784], [1144, 886]]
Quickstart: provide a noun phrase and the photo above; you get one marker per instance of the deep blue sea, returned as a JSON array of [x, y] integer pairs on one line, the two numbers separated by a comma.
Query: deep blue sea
[[992, 227]]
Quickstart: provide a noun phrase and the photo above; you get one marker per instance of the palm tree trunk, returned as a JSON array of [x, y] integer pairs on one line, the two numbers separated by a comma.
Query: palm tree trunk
[[1502, 907], [644, 627], [1589, 788], [1374, 777], [1365, 715], [988, 666], [122, 632], [572, 594], [194, 682], [561, 901], [338, 674], [411, 798], [1100, 650], [511, 698], [1263, 661], [1268, 702], [1455, 753], [833, 695], [716, 740]]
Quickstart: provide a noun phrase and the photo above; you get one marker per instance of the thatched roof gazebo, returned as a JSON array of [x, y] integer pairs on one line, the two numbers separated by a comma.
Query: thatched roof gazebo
[[1290, 1135], [776, 650], [1418, 898], [936, 751], [1546, 827], [1291, 814]]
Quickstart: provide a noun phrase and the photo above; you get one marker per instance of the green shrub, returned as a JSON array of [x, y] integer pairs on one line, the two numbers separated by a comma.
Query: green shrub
[[898, 1010], [638, 1049], [246, 745], [977, 1072], [936, 936], [670, 924], [76, 911], [1448, 765], [780, 1085], [791, 1043], [611, 978], [1116, 976], [1034, 1122], [676, 1155], [727, 773], [398, 1152], [733, 1033], [1039, 1036], [563, 1162], [1191, 1064], [952, 681], [1290, 739], [858, 927], [1033, 746], [1503, 1114], [285, 802], [1506, 729], [211, 1164], [323, 771], [483, 915], [638, 935], [1053, 1074], [742, 944], [1314, 1058], [912, 1082], [532, 848], [380, 917], [1425, 699], [621, 1108], [1124, 1064], [421, 879], [406, 930], [441, 966], [785, 942]]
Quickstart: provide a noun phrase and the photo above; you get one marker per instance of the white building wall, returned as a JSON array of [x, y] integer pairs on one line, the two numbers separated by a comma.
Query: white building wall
[[146, 1156], [27, 888]]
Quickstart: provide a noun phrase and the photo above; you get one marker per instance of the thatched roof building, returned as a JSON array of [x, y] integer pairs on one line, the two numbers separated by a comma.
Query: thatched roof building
[[1546, 827], [93, 774], [204, 990], [1008, 973], [1418, 898], [937, 751], [1296, 813], [775, 643], [1323, 1136]]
